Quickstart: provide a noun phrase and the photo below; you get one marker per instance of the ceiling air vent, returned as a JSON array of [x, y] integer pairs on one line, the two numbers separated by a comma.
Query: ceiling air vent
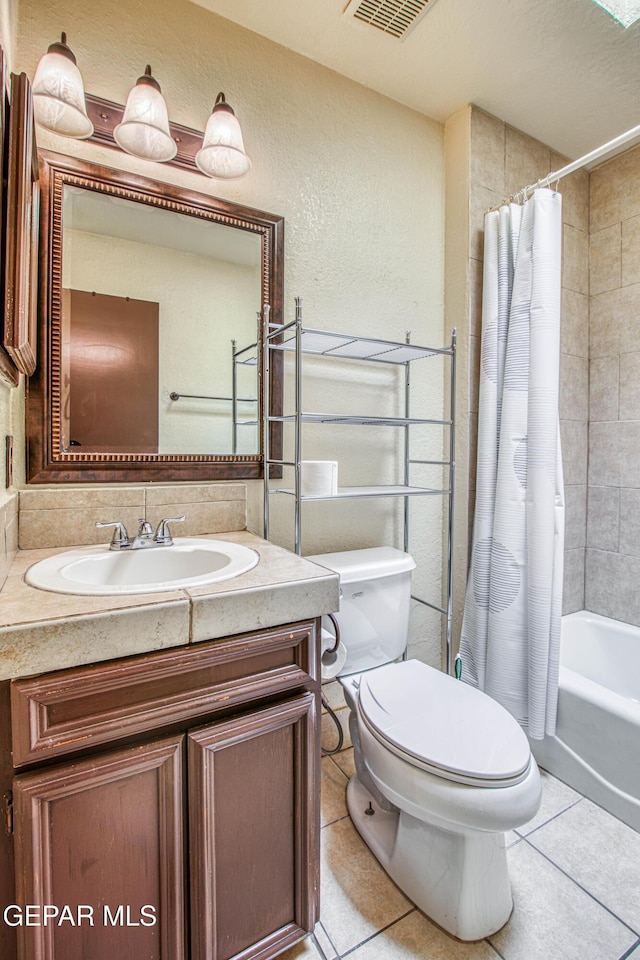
[[394, 17]]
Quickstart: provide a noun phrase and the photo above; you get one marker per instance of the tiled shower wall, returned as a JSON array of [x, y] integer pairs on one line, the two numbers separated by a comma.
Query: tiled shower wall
[[613, 521], [502, 161]]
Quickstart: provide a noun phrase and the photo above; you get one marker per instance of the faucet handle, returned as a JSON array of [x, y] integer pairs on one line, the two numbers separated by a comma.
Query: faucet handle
[[120, 539], [163, 534]]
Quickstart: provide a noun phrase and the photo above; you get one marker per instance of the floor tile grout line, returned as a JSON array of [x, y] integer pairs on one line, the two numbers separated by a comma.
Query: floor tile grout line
[[631, 949], [494, 948], [337, 820], [333, 946], [341, 956], [318, 947], [635, 932], [550, 820]]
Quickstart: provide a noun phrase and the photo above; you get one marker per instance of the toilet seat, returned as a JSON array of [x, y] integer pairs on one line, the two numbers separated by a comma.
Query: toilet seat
[[443, 726]]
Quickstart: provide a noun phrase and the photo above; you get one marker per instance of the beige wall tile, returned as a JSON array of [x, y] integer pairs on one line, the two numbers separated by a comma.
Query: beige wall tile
[[603, 520], [574, 388], [573, 435], [194, 493], [615, 190], [214, 517], [527, 160], [630, 527], [575, 260], [575, 526], [475, 356], [574, 331], [629, 408], [604, 454], [629, 453], [475, 298], [481, 199], [487, 151], [607, 316], [77, 498], [603, 388], [70, 528], [611, 585], [631, 251], [629, 301], [575, 195], [4, 558], [573, 588], [605, 259]]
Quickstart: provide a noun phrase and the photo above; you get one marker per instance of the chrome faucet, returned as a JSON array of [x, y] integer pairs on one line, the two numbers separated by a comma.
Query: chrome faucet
[[145, 537]]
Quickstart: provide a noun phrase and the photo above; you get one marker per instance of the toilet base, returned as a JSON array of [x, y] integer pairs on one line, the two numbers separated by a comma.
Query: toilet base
[[459, 879]]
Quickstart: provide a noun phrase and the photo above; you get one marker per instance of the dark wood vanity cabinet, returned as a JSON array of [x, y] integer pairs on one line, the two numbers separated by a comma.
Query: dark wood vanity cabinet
[[168, 803]]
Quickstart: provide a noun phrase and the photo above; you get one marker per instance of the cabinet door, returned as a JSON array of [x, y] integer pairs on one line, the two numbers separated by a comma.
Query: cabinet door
[[105, 834], [254, 831]]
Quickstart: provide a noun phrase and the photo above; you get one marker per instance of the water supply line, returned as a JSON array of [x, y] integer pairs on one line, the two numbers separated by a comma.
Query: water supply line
[[328, 658]]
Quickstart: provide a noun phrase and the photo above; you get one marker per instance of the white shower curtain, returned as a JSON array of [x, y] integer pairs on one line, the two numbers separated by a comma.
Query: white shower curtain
[[511, 628]]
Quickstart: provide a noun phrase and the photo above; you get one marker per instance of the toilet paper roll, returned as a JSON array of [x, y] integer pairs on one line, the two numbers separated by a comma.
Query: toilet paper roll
[[319, 478], [331, 670]]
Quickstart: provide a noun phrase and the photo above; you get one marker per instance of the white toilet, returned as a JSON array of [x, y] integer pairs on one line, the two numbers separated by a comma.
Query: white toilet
[[442, 770]]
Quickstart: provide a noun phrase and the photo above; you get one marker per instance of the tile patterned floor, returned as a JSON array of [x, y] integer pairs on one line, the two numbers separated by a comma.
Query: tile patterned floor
[[575, 872]]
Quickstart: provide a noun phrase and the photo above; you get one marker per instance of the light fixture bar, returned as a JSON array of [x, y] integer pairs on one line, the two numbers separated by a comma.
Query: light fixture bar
[[106, 115]]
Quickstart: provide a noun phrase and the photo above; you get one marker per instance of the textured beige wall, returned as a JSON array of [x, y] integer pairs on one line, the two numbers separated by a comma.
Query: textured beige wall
[[613, 519], [359, 180]]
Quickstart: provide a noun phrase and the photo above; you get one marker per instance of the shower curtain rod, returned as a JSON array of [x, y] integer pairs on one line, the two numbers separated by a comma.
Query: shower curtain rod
[[556, 175]]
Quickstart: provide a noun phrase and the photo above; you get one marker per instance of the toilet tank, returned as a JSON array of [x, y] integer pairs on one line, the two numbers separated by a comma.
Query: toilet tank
[[375, 596]]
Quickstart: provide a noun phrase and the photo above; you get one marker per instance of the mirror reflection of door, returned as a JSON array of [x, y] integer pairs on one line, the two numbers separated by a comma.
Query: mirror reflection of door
[[112, 399], [206, 281]]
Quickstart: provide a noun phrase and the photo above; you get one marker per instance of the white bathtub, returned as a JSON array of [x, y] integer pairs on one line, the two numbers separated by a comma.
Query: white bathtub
[[596, 748]]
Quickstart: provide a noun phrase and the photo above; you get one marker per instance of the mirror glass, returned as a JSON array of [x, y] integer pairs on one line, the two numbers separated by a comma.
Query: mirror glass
[[159, 330]]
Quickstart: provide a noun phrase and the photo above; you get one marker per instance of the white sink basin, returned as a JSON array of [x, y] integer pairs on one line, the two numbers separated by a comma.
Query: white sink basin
[[96, 571]]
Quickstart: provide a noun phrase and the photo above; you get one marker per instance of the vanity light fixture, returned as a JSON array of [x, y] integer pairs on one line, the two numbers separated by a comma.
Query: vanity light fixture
[[144, 131], [58, 93], [222, 154]]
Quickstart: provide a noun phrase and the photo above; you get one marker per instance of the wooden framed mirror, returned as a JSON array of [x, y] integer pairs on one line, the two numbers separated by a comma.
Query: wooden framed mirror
[[150, 311]]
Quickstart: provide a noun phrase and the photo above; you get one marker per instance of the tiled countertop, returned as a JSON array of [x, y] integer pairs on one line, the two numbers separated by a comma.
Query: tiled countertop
[[42, 631]]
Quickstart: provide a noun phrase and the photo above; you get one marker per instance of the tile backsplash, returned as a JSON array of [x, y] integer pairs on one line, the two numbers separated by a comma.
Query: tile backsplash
[[66, 517], [8, 535]]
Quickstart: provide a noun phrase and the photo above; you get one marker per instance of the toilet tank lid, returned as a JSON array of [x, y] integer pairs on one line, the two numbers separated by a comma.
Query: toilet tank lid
[[354, 566]]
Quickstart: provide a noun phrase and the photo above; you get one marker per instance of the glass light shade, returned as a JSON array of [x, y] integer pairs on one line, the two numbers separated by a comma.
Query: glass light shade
[[144, 131], [222, 154], [58, 94]]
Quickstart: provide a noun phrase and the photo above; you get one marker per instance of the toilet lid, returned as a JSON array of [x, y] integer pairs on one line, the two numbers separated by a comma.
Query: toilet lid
[[437, 722]]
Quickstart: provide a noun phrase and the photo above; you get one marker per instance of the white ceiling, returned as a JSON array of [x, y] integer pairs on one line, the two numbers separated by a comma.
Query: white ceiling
[[562, 71]]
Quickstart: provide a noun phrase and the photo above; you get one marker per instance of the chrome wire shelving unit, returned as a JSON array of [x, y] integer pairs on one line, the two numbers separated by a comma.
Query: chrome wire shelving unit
[[299, 340], [249, 356]]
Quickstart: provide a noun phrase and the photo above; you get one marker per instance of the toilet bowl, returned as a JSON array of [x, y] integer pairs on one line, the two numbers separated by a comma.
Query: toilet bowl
[[449, 779], [442, 770]]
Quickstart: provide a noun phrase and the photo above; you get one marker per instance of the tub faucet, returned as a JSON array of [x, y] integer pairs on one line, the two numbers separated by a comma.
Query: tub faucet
[[145, 537]]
